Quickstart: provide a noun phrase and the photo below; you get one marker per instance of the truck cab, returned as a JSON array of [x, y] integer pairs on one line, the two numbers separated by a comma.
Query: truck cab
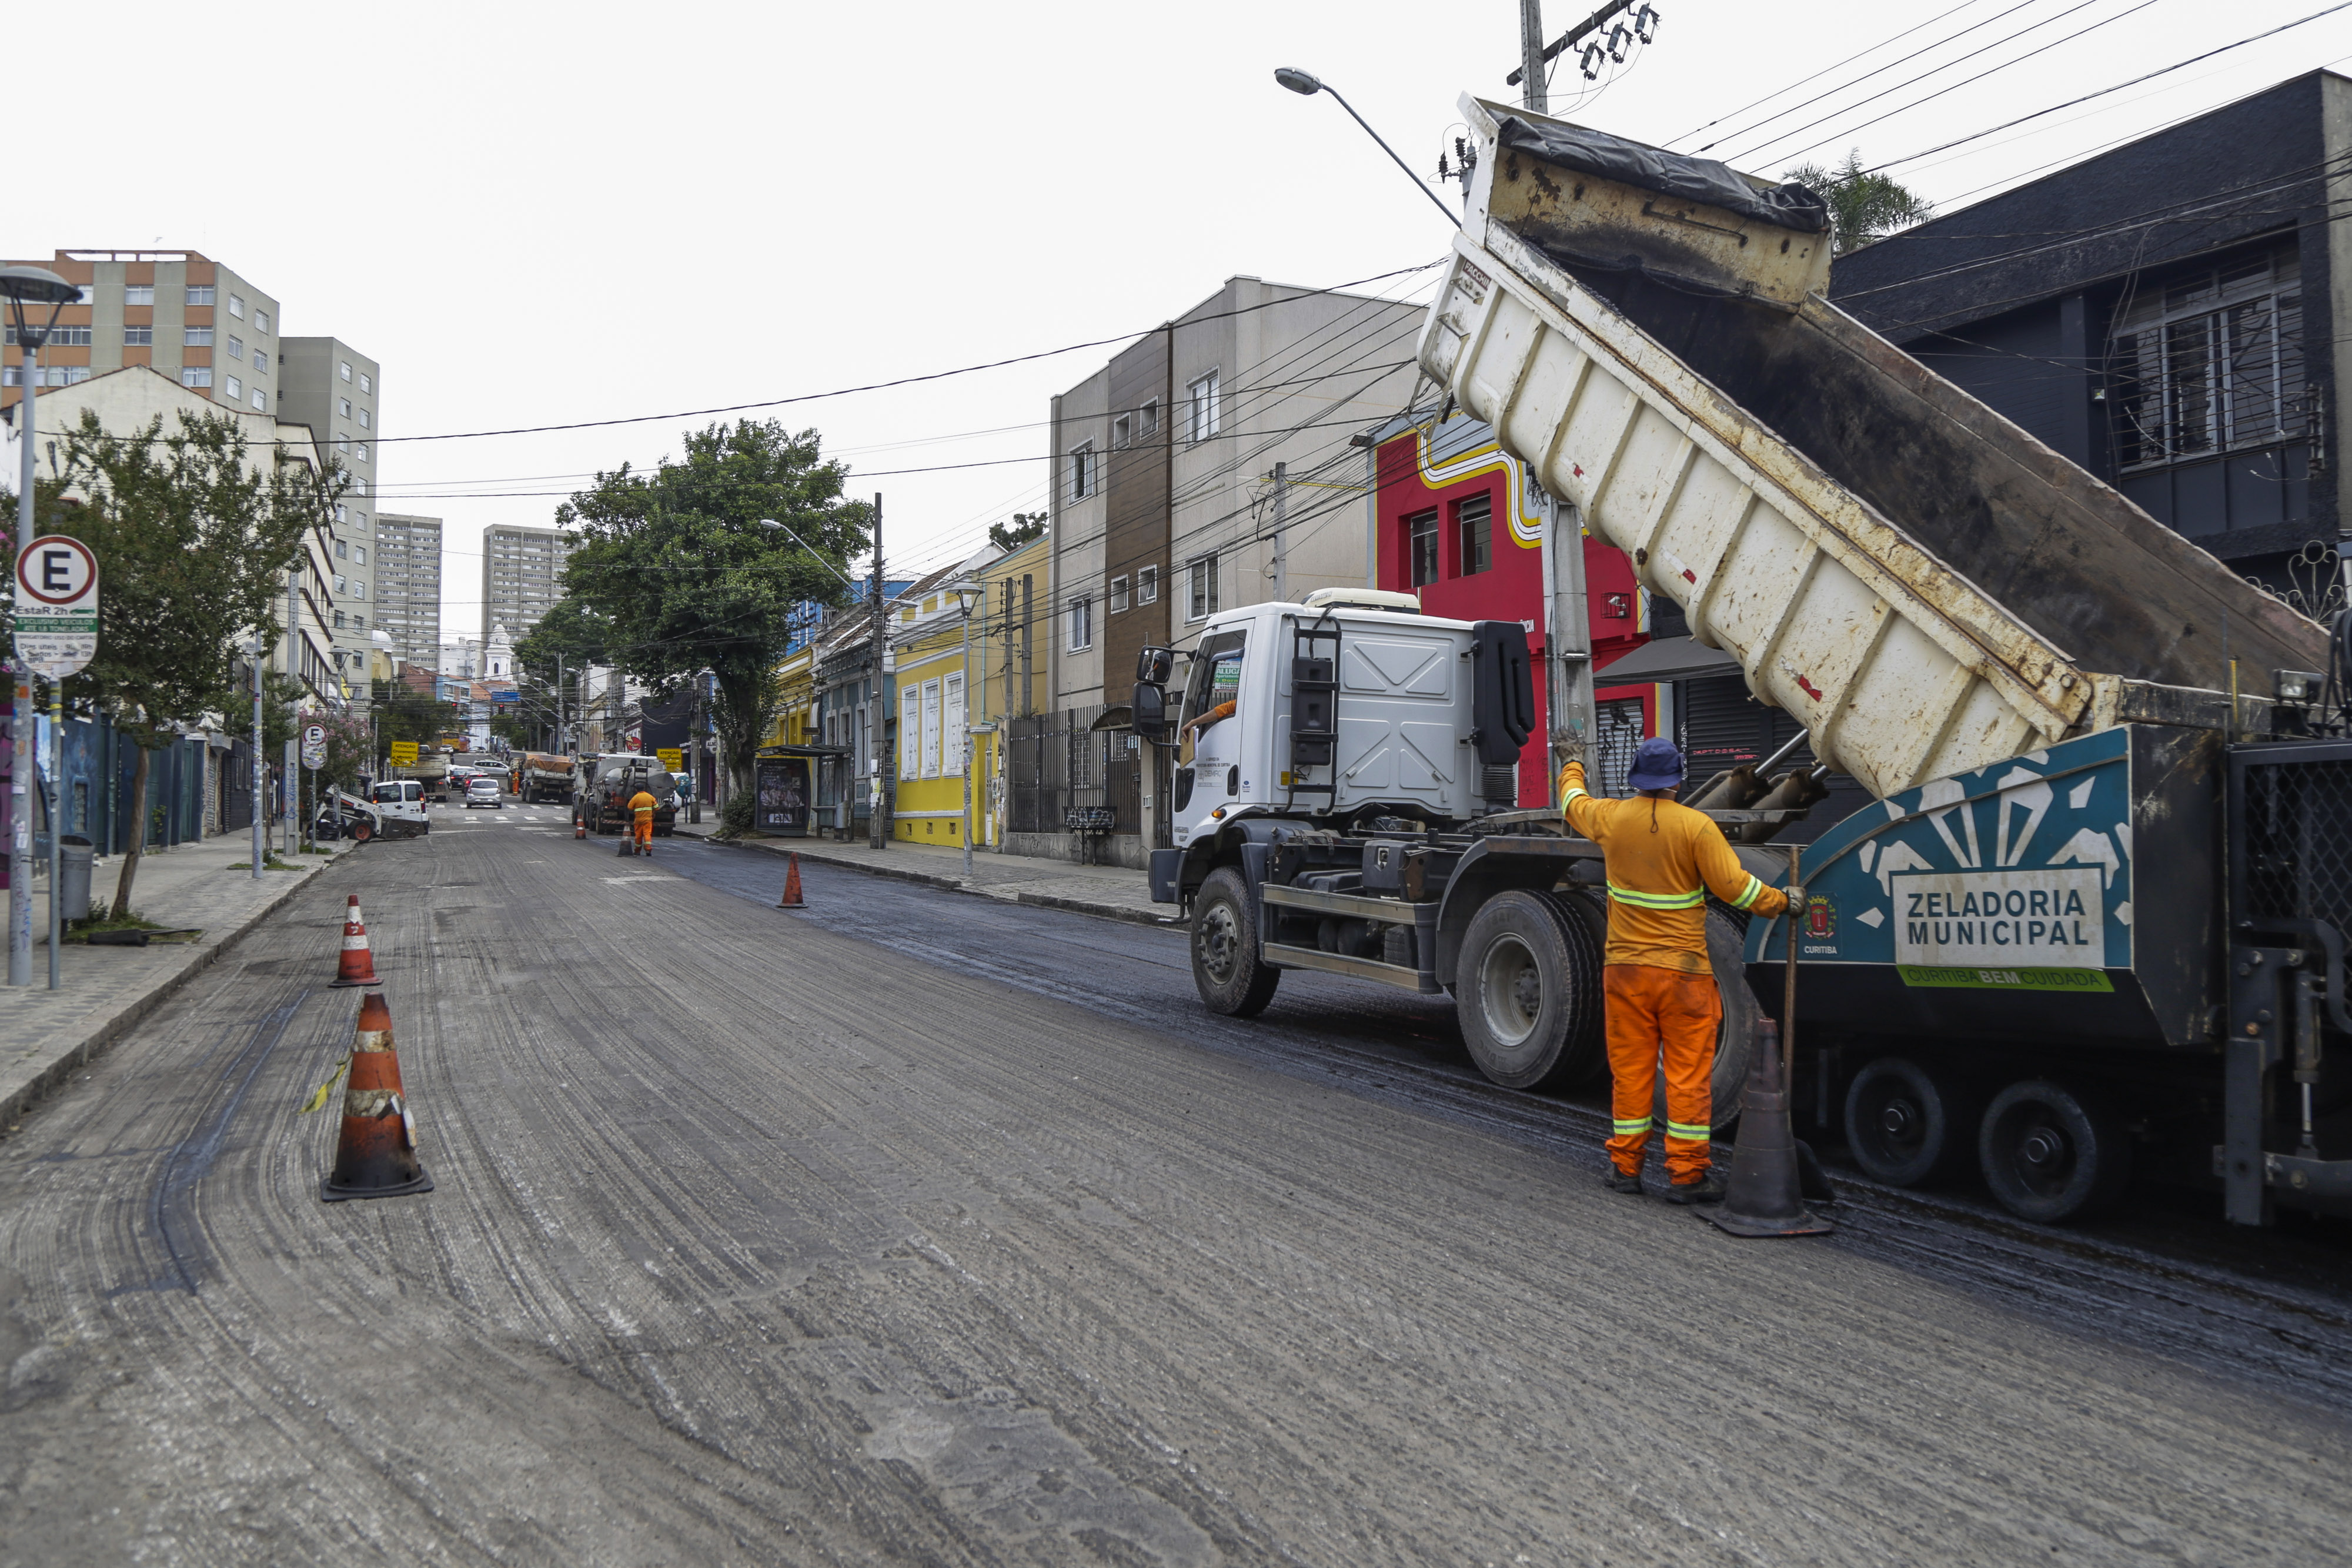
[[1352, 705]]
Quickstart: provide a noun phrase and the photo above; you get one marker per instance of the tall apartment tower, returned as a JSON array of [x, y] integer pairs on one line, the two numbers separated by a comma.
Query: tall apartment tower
[[523, 573], [185, 314], [408, 585], [337, 391]]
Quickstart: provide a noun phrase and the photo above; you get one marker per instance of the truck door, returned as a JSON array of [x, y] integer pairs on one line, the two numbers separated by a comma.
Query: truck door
[[1214, 751]]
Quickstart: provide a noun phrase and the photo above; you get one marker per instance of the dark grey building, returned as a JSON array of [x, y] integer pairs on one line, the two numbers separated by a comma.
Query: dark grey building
[[2164, 314]]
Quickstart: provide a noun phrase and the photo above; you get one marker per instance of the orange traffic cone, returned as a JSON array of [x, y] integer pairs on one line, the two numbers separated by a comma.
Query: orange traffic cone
[[357, 965], [792, 898], [579, 826], [376, 1157]]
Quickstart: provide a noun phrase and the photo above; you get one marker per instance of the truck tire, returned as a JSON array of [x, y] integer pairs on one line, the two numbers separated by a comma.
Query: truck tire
[[1227, 969], [1527, 988], [2050, 1157], [1735, 1042], [1904, 1126]]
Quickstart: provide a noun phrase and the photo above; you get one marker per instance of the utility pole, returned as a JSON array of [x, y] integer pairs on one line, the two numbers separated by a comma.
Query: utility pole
[[1281, 494], [1531, 54], [967, 597], [260, 767], [875, 835]]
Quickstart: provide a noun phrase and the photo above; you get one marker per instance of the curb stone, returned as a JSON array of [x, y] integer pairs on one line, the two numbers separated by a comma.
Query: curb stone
[[956, 884]]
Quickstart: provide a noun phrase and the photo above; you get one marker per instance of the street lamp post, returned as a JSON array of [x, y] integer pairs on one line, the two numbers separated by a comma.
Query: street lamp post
[[1306, 85], [24, 286]]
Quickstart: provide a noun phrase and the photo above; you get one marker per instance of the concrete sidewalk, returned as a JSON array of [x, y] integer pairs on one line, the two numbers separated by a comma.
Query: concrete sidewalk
[[45, 1035], [1110, 892]]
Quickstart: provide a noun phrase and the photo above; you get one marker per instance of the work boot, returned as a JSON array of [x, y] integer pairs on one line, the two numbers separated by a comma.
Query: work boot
[[1705, 1187], [1622, 1181]]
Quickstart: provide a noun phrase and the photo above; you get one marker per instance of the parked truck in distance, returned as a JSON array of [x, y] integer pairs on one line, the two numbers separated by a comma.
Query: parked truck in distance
[[602, 785], [430, 772], [547, 778]]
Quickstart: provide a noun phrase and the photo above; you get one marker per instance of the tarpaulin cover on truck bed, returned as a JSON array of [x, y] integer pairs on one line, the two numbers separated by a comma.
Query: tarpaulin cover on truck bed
[[1668, 173]]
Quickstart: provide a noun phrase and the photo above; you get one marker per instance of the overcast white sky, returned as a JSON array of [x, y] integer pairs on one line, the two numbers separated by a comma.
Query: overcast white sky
[[538, 215]]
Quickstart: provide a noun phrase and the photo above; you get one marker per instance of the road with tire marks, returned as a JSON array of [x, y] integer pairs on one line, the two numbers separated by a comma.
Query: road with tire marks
[[920, 1226]]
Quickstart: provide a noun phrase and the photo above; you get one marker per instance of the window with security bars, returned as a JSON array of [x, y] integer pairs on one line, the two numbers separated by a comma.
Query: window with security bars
[[1617, 732], [2209, 363]]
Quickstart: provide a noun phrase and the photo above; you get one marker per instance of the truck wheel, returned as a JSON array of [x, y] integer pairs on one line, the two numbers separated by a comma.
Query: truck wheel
[[362, 833], [1527, 987], [2050, 1157], [1231, 976], [1903, 1128]]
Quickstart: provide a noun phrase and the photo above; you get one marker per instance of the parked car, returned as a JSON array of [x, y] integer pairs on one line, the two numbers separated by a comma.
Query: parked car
[[484, 791]]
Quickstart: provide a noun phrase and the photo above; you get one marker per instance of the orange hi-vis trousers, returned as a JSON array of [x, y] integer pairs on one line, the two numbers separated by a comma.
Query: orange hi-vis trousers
[[1658, 1015], [646, 830]]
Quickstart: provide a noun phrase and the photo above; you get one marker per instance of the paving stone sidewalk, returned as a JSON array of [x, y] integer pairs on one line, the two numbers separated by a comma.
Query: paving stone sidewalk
[[1111, 893], [46, 1035]]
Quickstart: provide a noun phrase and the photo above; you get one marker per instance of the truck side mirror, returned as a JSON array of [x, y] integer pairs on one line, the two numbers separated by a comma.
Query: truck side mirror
[[1150, 711], [1154, 665]]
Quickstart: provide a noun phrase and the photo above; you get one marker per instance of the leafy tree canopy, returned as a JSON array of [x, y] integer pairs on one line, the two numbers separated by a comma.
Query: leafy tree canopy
[[676, 564], [1011, 536], [195, 533], [1864, 207]]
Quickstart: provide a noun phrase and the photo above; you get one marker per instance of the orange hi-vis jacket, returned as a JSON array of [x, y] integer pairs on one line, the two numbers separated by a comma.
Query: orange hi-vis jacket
[[1663, 859], [643, 803]]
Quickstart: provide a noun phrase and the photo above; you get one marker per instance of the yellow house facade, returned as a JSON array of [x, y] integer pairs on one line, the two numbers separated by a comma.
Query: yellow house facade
[[951, 692]]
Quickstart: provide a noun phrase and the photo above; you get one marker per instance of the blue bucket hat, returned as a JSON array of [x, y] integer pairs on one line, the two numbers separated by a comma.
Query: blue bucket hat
[[1657, 765]]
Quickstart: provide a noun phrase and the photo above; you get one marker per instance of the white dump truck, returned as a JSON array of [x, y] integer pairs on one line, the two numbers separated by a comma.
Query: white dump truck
[[2096, 918]]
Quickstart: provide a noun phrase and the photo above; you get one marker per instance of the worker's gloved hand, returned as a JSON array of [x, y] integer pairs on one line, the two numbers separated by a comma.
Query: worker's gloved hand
[[1796, 896], [1569, 749]]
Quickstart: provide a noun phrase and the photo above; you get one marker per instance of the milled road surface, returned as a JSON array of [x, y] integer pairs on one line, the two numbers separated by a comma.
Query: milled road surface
[[919, 1227]]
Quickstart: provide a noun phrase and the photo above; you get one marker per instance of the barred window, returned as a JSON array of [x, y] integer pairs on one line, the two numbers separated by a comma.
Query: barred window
[[2211, 363]]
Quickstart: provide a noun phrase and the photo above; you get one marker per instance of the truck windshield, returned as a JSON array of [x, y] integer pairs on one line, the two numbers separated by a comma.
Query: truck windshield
[[1216, 672]]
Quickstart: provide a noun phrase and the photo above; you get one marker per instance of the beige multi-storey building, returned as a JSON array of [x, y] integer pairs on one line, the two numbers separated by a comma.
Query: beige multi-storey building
[[337, 391], [408, 585], [178, 312], [522, 576]]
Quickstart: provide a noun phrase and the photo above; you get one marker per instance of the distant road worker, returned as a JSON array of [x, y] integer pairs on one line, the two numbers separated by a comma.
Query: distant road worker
[[641, 805], [1661, 860]]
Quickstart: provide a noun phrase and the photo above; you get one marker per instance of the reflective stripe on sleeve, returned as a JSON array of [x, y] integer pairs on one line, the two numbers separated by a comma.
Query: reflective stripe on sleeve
[[1747, 896], [1628, 1129], [1690, 900], [1574, 791], [1689, 1133]]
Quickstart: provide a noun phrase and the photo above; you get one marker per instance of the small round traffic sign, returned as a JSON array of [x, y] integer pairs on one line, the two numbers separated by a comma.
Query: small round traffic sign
[[56, 570]]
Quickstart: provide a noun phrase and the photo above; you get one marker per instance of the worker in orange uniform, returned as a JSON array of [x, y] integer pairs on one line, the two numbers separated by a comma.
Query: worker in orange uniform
[[641, 805], [1661, 860]]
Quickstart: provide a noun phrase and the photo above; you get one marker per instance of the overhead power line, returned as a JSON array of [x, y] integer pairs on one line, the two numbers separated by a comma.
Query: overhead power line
[[2151, 76]]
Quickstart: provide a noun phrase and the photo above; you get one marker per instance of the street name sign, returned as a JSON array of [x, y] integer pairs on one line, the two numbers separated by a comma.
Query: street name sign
[[56, 606]]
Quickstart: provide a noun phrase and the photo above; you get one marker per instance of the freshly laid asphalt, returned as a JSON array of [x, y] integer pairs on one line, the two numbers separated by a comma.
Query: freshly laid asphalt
[[921, 1227]]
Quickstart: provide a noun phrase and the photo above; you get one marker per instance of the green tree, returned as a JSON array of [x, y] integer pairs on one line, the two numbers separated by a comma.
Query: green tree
[[1865, 207], [1025, 527], [405, 713], [567, 639], [676, 567], [193, 534]]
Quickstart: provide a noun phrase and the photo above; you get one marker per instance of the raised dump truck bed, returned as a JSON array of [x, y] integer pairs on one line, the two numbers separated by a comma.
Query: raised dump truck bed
[[1921, 584]]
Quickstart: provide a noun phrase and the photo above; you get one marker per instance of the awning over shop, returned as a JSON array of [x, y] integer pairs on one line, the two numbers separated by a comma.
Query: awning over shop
[[1666, 659]]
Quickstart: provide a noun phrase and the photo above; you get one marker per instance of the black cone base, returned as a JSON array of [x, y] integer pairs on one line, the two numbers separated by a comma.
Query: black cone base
[[330, 1193]]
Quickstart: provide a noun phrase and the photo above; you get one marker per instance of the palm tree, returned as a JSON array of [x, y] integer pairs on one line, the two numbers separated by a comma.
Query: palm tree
[[1865, 207]]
